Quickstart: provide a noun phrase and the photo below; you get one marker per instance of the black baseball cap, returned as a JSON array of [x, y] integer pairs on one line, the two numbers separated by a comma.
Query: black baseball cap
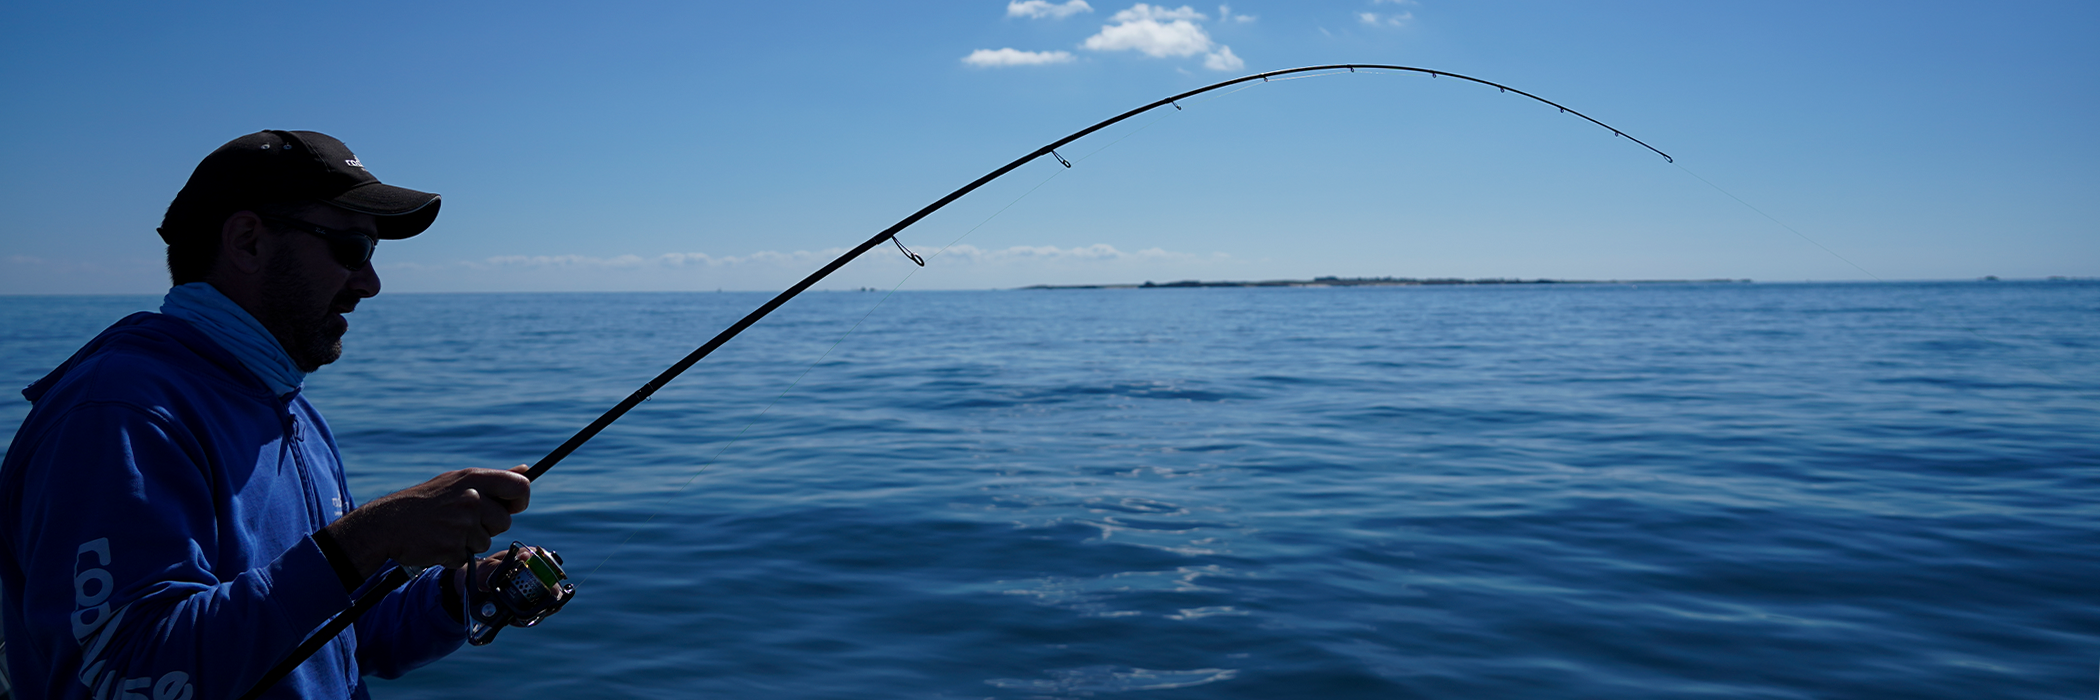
[[274, 167]]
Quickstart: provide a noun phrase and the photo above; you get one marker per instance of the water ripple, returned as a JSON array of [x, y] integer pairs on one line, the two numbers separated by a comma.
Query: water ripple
[[1653, 491]]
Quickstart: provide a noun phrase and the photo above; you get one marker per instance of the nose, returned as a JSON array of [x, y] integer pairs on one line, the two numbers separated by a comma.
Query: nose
[[364, 282]]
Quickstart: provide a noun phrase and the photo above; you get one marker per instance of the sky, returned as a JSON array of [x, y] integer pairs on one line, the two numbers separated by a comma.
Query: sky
[[615, 146]]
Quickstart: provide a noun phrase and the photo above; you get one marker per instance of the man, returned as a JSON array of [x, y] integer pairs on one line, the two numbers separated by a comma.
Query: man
[[173, 513]]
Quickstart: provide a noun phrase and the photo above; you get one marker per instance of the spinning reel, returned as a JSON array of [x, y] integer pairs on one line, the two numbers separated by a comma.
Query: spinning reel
[[527, 587]]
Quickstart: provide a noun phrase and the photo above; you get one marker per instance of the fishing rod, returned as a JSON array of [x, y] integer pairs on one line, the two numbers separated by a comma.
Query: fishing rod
[[396, 576]]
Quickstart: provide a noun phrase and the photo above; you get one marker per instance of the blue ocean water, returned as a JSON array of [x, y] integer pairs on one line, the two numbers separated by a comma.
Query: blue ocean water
[[1561, 491]]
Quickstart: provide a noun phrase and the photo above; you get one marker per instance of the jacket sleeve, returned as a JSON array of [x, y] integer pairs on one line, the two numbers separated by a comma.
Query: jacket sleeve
[[409, 628], [116, 538]]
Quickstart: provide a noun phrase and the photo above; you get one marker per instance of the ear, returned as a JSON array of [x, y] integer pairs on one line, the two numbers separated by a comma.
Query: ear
[[242, 243]]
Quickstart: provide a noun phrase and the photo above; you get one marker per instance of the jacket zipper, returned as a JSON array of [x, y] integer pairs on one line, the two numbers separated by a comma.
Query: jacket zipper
[[295, 441]]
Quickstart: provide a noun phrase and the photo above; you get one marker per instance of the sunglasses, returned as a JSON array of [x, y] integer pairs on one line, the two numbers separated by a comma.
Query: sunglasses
[[352, 250]]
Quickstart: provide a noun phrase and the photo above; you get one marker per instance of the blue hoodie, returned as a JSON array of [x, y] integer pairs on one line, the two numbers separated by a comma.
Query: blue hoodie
[[155, 518]]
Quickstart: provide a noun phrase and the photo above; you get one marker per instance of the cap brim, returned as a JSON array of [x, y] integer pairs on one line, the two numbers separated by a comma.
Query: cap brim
[[402, 212]]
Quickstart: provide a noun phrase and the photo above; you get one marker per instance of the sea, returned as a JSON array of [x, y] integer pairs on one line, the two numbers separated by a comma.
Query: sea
[[1727, 490]]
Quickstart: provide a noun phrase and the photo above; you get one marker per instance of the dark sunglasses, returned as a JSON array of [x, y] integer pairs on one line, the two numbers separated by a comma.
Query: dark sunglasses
[[352, 250]]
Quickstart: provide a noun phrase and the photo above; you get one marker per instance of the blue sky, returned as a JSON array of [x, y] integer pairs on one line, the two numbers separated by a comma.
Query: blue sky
[[697, 146]]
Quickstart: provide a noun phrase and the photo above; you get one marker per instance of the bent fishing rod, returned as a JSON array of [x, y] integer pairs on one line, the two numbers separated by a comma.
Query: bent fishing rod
[[393, 578]]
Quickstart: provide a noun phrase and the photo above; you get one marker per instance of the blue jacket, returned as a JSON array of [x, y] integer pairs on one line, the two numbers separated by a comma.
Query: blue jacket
[[155, 513]]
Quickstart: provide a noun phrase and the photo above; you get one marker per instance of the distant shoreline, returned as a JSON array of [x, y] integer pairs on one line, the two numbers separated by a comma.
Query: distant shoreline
[[1370, 282]]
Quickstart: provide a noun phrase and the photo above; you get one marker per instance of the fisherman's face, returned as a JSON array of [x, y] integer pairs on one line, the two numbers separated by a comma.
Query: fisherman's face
[[306, 290]]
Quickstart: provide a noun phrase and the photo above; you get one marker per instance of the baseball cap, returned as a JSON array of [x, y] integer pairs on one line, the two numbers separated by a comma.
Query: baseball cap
[[269, 167]]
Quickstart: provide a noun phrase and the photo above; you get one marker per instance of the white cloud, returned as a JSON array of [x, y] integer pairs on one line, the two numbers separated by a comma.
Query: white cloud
[[1037, 9], [1012, 57], [1225, 15], [1163, 33], [1396, 19], [1152, 38], [1393, 20], [1141, 12]]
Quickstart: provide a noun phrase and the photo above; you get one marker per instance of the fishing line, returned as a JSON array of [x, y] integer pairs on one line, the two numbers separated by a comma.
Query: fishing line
[[995, 215], [1024, 195], [1782, 224], [386, 582], [1055, 173]]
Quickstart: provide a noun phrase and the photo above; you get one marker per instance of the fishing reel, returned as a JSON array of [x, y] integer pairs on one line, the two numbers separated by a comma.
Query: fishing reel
[[527, 587]]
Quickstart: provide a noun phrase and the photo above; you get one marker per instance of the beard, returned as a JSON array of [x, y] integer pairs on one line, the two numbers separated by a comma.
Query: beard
[[296, 312]]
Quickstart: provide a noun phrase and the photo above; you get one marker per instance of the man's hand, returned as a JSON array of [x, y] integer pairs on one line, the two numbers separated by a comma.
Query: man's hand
[[445, 521]]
